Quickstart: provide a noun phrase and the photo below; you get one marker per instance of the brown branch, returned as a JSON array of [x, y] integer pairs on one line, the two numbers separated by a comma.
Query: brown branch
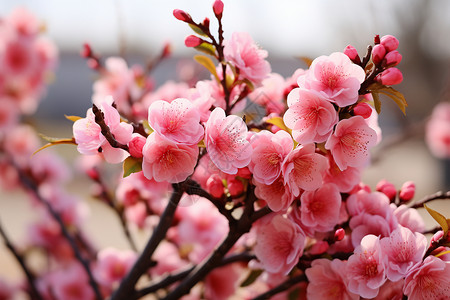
[[282, 287], [29, 184], [34, 293], [437, 196], [100, 120], [126, 289]]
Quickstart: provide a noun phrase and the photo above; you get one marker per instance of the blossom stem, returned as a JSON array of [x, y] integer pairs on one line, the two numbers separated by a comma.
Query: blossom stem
[[34, 293], [439, 195], [126, 289]]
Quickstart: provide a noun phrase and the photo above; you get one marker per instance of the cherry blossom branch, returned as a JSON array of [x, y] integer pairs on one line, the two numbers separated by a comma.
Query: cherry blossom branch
[[100, 120], [172, 278], [282, 287], [237, 229], [126, 289], [34, 293], [439, 195], [29, 184]]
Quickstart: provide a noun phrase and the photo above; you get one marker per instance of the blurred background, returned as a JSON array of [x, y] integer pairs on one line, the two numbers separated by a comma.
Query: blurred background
[[138, 29]]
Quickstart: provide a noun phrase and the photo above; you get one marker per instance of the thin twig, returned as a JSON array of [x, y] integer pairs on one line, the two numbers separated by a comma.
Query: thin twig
[[126, 289], [106, 132], [30, 276], [437, 196]]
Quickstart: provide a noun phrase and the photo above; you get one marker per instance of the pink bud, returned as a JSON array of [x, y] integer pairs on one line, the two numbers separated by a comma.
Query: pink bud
[[352, 53], [86, 51], [362, 109], [235, 187], [218, 8], [93, 63], [181, 15], [376, 39], [387, 188], [378, 54], [390, 76], [361, 187], [319, 247], [167, 50], [339, 234], [407, 191], [206, 22], [192, 41], [136, 144], [244, 173], [392, 59], [93, 174], [214, 186], [389, 42]]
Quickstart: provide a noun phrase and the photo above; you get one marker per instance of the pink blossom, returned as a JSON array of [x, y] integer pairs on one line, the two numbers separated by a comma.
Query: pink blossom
[[365, 224], [88, 136], [320, 208], [345, 180], [403, 249], [71, 283], [310, 116], [222, 282], [113, 265], [9, 116], [20, 143], [350, 142], [165, 160], [428, 280], [23, 21], [201, 97], [437, 133], [365, 270], [374, 203], [169, 91], [177, 121], [304, 169], [279, 244], [391, 291], [226, 143], [327, 280], [242, 51], [168, 259], [6, 290], [269, 151], [336, 77], [270, 94], [409, 218], [277, 196]]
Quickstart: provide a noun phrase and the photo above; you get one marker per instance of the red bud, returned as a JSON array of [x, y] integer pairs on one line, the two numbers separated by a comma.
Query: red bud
[[389, 42], [362, 109], [378, 54], [181, 15], [390, 76], [192, 41], [86, 51], [352, 53], [339, 234], [392, 59], [218, 8]]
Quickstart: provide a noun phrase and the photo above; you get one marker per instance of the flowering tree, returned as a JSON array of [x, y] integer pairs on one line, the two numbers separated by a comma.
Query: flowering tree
[[238, 205]]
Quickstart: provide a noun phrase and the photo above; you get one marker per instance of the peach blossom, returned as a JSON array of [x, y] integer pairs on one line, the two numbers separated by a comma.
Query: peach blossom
[[277, 195], [112, 265]]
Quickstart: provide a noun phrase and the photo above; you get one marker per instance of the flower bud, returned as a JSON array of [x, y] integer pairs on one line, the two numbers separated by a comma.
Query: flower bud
[[86, 51], [407, 191], [93, 63], [389, 42], [235, 187], [136, 144], [362, 109], [167, 50], [218, 8], [193, 41], [352, 53], [339, 234], [244, 173], [214, 186], [182, 15], [378, 54], [387, 188], [392, 59], [390, 76]]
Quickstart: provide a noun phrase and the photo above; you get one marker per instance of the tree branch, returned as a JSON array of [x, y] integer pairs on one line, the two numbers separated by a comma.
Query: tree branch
[[126, 289], [436, 196], [100, 120]]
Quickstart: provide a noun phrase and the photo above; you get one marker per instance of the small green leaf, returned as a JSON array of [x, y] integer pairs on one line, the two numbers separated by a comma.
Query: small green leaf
[[308, 61], [147, 127], [207, 48], [399, 99], [197, 30], [73, 118], [131, 165], [439, 218], [278, 121], [208, 64], [54, 141], [254, 274]]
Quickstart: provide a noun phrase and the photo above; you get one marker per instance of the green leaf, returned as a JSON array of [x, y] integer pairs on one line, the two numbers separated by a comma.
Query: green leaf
[[392, 93], [308, 61], [147, 127], [207, 48], [208, 64], [73, 118], [131, 165], [197, 30], [443, 222], [254, 274], [54, 141], [278, 121], [376, 102]]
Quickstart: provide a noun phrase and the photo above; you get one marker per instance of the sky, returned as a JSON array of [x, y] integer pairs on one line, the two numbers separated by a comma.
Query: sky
[[284, 27]]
